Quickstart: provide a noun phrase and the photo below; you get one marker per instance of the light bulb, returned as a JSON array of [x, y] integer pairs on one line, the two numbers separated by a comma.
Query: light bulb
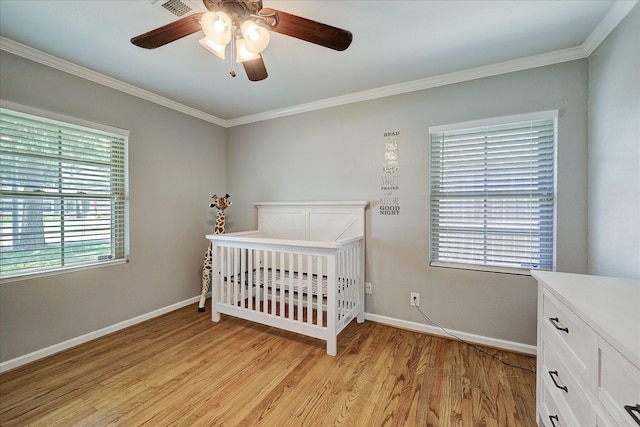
[[257, 38], [242, 53], [253, 35], [219, 26]]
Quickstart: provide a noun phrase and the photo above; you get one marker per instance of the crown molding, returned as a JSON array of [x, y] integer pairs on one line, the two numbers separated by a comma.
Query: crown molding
[[32, 54], [611, 20], [542, 60], [617, 13]]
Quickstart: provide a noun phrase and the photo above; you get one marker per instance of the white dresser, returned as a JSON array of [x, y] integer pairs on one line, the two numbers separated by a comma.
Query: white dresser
[[588, 370]]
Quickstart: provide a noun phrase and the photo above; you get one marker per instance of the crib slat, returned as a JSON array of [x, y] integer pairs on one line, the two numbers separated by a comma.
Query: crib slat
[[354, 281], [238, 276], [253, 276], [263, 279], [344, 288], [277, 287], [265, 282], [219, 260], [309, 289], [292, 271], [299, 286], [249, 253], [257, 265], [340, 284], [339, 276], [353, 286], [223, 273], [243, 269], [352, 275], [274, 297], [346, 284], [319, 298], [230, 277]]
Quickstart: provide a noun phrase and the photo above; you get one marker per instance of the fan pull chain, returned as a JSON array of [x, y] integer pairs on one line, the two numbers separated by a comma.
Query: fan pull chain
[[233, 43]]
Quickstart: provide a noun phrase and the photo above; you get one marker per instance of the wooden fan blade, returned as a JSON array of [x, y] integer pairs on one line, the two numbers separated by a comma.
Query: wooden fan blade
[[255, 69], [307, 30], [170, 32]]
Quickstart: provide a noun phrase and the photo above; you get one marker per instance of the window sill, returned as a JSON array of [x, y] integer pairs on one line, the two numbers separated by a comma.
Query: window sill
[[64, 270], [483, 268]]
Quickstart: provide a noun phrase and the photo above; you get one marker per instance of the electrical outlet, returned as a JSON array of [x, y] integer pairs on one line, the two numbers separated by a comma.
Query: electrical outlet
[[415, 299], [367, 288]]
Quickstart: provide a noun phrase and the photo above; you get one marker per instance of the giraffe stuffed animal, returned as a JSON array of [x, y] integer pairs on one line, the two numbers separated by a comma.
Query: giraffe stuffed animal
[[220, 203]]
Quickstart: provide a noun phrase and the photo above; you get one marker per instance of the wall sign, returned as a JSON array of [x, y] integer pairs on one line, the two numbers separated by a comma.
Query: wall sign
[[389, 182]]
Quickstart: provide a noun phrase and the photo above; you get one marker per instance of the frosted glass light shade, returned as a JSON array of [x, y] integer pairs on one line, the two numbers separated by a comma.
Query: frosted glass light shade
[[242, 53], [217, 49], [256, 37], [217, 27]]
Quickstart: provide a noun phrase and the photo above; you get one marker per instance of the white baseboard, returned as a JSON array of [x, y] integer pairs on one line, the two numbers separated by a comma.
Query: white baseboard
[[390, 321], [48, 351], [465, 336]]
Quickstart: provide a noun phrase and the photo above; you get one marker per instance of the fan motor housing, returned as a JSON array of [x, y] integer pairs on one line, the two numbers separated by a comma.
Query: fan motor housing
[[237, 9]]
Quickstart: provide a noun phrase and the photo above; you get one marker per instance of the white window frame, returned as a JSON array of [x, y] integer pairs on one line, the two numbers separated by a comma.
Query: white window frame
[[496, 121], [98, 128]]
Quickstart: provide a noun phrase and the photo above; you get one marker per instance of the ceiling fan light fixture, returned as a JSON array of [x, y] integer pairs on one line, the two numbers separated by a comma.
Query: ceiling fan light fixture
[[242, 53], [256, 38], [224, 23], [217, 49], [217, 27]]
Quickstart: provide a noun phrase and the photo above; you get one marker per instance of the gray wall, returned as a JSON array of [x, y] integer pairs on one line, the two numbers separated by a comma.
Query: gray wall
[[337, 154], [614, 152], [171, 181]]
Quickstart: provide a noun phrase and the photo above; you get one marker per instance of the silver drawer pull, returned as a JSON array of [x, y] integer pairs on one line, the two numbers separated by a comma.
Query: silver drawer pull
[[554, 321], [552, 418], [553, 375], [631, 409]]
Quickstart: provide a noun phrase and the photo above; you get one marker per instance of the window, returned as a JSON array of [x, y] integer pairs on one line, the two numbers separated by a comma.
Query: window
[[63, 192], [492, 194]]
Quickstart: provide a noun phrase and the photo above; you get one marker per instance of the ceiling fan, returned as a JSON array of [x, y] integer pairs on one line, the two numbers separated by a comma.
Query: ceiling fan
[[245, 25]]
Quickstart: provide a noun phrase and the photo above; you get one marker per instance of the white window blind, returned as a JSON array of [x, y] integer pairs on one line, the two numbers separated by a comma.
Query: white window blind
[[492, 195], [63, 194]]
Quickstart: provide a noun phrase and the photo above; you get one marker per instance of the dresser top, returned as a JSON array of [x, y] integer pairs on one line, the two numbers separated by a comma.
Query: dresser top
[[609, 305]]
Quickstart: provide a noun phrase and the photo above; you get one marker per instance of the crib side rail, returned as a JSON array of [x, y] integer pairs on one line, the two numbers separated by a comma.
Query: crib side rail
[[279, 282], [305, 288], [350, 284]]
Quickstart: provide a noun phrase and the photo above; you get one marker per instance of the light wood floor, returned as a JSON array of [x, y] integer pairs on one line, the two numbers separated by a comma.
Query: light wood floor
[[181, 369]]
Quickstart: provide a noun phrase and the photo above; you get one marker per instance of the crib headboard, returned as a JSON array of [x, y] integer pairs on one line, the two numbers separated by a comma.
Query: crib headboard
[[313, 221]]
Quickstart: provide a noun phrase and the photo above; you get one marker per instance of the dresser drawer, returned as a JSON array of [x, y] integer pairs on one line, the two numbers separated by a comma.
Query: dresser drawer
[[551, 414], [579, 340], [619, 386], [564, 388]]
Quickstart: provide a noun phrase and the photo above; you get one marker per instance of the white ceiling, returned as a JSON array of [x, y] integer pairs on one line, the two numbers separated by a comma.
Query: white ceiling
[[397, 46]]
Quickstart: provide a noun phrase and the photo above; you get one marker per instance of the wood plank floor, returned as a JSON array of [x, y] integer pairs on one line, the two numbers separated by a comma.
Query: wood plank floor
[[181, 369]]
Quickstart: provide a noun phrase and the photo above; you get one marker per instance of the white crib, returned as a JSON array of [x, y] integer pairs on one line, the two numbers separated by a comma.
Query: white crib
[[302, 270]]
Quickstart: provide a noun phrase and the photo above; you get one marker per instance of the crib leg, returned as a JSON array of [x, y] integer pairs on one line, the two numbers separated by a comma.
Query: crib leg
[[332, 346], [360, 316], [215, 314]]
